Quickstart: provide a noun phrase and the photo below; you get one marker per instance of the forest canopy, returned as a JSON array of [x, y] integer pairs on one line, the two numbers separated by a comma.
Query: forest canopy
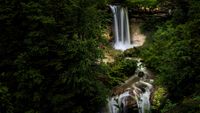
[[51, 53]]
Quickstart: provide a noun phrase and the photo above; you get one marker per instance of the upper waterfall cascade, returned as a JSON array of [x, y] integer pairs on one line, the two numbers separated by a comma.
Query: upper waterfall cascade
[[121, 28]]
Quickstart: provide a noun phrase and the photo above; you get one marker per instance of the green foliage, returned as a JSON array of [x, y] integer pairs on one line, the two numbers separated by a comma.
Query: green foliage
[[121, 69], [49, 52], [168, 106], [174, 51], [159, 98], [6, 105], [188, 105], [169, 56], [173, 54], [133, 52]]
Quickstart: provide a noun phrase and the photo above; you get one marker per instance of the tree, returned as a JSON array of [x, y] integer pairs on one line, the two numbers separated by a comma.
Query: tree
[[49, 52], [174, 53]]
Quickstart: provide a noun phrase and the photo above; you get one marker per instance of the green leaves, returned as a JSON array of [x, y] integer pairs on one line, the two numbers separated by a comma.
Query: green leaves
[[120, 70], [49, 52], [171, 55], [6, 105]]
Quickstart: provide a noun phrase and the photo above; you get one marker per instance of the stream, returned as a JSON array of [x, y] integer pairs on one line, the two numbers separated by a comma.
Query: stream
[[134, 95]]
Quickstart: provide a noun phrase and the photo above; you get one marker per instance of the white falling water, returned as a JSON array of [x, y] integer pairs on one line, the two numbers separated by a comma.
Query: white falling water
[[144, 103], [140, 91], [143, 99], [117, 103], [121, 28]]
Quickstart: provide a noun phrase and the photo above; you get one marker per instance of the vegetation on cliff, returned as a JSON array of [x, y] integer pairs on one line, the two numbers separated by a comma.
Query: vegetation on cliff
[[173, 54]]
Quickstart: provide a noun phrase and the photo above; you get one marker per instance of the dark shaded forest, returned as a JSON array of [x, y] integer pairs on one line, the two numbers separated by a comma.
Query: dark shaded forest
[[51, 55]]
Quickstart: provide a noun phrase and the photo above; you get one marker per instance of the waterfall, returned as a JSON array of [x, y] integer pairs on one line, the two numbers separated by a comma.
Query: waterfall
[[138, 92], [143, 100], [121, 28], [118, 103]]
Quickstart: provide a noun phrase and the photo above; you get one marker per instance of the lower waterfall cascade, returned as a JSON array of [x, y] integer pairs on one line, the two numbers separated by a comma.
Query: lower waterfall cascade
[[139, 92]]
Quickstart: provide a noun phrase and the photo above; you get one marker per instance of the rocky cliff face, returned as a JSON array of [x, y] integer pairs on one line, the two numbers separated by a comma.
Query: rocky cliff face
[[137, 37]]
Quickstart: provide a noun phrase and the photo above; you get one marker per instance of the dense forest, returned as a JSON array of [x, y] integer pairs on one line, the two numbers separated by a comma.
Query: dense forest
[[51, 55]]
